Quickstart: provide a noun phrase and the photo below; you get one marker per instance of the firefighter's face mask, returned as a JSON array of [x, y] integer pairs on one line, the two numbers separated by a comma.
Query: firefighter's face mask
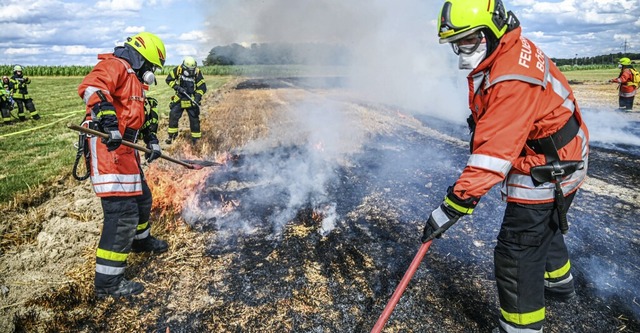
[[471, 50], [148, 77]]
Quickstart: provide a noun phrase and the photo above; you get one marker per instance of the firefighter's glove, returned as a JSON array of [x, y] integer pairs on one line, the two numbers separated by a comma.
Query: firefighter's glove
[[181, 91], [106, 115], [448, 213], [198, 98], [154, 145]]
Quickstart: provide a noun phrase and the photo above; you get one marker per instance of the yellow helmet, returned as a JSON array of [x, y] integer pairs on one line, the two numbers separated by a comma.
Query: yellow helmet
[[149, 46], [461, 18], [17, 68], [625, 61], [189, 63]]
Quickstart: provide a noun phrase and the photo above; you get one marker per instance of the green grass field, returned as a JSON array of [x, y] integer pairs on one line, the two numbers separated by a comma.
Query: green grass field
[[36, 153]]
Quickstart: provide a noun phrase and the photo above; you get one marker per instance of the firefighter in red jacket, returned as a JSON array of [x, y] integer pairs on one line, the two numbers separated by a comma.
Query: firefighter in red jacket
[[528, 133], [627, 87], [114, 92]]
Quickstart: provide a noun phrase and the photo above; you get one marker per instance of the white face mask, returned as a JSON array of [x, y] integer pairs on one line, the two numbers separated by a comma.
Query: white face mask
[[471, 61], [148, 78]]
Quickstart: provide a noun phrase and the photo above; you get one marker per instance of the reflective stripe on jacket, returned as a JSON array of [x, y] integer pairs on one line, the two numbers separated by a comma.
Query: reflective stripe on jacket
[[518, 94], [115, 173]]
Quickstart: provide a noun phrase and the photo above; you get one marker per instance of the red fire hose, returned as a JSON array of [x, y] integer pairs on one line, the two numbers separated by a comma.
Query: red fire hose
[[382, 320]]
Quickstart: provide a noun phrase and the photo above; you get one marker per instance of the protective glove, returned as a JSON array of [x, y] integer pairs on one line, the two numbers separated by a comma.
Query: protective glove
[[198, 98], [180, 91], [106, 114], [448, 213], [154, 146]]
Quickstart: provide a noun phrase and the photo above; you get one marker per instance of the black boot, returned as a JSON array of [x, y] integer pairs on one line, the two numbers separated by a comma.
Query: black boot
[[124, 288], [149, 244], [171, 138]]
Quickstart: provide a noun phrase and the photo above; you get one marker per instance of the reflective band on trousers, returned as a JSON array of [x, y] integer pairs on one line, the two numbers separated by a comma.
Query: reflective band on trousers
[[109, 270], [560, 272], [510, 329], [111, 255], [558, 283], [524, 318]]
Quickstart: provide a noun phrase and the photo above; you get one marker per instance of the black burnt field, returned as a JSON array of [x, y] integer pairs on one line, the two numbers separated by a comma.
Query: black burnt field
[[350, 232]]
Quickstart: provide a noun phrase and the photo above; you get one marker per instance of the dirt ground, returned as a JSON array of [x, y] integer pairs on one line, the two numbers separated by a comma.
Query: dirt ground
[[312, 275]]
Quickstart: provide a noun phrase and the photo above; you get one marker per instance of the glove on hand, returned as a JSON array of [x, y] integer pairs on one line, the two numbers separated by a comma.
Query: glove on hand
[[198, 98], [154, 146], [181, 91], [106, 114], [448, 213]]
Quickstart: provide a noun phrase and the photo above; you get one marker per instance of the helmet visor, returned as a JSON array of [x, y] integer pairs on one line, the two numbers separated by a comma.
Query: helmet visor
[[468, 44]]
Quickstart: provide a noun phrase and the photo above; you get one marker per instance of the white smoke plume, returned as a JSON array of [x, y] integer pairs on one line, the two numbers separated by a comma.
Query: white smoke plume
[[395, 54]]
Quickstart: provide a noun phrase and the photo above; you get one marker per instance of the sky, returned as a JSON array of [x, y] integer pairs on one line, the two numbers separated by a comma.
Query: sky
[[54, 32]]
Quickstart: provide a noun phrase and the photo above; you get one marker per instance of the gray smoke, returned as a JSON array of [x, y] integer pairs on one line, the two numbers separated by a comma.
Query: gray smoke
[[395, 56]]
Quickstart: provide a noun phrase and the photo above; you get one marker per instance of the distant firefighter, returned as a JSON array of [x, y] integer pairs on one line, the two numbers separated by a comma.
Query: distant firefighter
[[21, 94], [628, 80], [188, 82]]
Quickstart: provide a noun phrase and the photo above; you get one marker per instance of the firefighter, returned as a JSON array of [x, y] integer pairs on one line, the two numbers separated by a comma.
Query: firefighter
[[114, 92], [188, 82], [627, 87], [528, 133], [6, 100], [21, 94]]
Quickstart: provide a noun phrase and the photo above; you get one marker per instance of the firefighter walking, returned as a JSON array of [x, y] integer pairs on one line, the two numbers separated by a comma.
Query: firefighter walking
[[21, 94], [528, 133], [6, 100], [114, 92], [188, 82], [627, 86]]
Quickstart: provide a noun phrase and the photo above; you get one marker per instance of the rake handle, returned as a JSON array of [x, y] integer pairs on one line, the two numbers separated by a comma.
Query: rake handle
[[393, 301], [128, 144]]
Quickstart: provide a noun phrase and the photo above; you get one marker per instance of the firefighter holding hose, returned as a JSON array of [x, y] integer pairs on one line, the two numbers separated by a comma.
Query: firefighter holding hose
[[528, 133], [114, 92], [188, 82]]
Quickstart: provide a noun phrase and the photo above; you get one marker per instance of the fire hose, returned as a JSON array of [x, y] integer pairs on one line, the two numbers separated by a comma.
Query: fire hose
[[189, 164], [393, 301]]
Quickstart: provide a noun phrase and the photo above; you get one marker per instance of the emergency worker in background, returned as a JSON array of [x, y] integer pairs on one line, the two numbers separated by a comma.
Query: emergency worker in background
[[528, 133], [627, 87], [114, 92], [21, 94], [188, 82], [6, 100]]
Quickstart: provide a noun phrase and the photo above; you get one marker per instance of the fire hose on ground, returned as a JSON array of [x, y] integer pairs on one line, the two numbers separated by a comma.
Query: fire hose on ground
[[189, 164], [393, 301]]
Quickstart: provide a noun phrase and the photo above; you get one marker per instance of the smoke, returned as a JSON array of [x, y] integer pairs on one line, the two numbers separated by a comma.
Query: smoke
[[611, 129], [395, 57]]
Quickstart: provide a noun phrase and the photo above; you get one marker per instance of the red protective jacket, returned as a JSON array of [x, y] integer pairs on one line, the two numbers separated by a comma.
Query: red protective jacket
[[115, 173], [627, 88], [518, 94]]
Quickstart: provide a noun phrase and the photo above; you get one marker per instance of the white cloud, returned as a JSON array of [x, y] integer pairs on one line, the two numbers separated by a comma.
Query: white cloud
[[194, 36], [24, 51], [119, 5]]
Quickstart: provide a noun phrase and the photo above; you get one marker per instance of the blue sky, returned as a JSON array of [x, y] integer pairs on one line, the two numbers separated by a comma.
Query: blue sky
[[53, 32]]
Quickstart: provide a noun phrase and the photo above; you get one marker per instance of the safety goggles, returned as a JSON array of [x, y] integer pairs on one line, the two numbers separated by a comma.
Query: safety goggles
[[468, 44]]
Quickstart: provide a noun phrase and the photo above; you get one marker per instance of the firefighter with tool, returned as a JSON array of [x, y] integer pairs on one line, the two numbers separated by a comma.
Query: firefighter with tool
[[627, 84], [188, 82], [528, 133], [21, 94], [114, 92]]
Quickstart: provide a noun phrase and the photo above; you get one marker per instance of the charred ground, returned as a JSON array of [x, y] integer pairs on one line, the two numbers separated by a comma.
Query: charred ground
[[233, 267]]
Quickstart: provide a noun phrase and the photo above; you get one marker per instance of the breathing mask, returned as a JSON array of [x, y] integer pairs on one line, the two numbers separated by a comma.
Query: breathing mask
[[471, 50]]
